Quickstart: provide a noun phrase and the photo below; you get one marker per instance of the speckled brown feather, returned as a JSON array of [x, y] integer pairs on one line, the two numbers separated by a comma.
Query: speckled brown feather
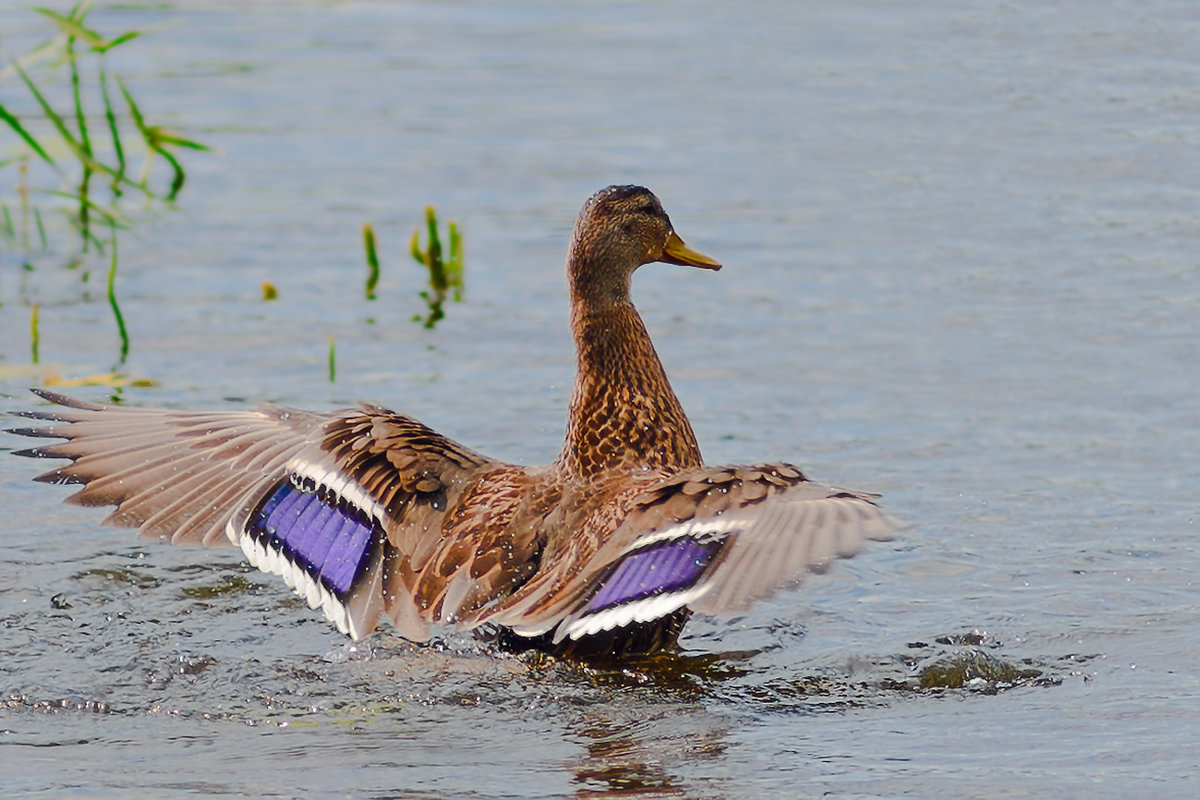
[[624, 414], [445, 503]]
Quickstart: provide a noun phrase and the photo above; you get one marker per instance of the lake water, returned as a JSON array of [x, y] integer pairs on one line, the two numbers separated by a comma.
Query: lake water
[[961, 270]]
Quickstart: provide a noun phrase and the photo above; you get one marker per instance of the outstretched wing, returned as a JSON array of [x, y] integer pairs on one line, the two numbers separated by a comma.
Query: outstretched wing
[[347, 506], [713, 540]]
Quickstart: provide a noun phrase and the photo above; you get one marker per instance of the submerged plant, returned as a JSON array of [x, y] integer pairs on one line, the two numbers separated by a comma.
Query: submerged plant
[[445, 273]]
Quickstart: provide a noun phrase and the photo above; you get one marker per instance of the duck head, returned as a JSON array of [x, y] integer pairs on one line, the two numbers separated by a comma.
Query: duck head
[[618, 230]]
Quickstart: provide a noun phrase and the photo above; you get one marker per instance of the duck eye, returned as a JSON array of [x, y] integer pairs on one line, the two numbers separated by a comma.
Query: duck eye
[[647, 208]]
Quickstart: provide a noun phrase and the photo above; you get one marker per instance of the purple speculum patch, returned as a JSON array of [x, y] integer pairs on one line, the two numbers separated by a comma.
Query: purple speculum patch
[[665, 566], [330, 542]]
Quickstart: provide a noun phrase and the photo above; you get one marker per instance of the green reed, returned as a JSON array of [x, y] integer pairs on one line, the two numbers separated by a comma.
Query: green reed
[[372, 261], [91, 150], [445, 273], [35, 337], [112, 299], [75, 129]]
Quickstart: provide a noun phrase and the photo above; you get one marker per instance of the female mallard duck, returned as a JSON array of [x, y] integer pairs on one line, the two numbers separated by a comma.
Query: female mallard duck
[[367, 513]]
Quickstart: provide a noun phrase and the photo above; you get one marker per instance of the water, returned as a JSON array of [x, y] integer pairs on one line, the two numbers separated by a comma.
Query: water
[[960, 270]]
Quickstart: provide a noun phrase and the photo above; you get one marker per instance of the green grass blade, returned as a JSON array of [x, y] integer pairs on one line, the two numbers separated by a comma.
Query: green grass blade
[[85, 201], [34, 337], [23, 192], [455, 245], [434, 260], [112, 300], [92, 241], [51, 114], [37, 218], [372, 261], [415, 249], [113, 130], [151, 136], [454, 266], [13, 123], [120, 40], [437, 267], [111, 218], [63, 131], [80, 117], [80, 10], [332, 361], [162, 137], [134, 111], [178, 178], [43, 52], [73, 26]]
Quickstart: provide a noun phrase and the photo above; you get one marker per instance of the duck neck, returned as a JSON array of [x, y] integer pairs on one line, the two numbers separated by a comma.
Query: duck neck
[[624, 416]]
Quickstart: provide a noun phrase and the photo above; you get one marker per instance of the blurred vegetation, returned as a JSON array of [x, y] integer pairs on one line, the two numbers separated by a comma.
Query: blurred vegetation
[[372, 261], [445, 274], [77, 150], [70, 163], [88, 149]]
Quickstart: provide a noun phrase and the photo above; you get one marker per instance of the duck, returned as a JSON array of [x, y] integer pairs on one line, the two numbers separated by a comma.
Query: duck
[[369, 514]]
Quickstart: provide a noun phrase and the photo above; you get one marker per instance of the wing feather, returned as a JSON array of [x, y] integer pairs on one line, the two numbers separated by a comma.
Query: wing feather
[[391, 518], [770, 524], [200, 476]]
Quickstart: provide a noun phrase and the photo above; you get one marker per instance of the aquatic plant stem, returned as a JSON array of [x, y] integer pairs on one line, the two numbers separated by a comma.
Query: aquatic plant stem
[[85, 142], [443, 274], [114, 131], [372, 260], [23, 193], [112, 298], [35, 338], [15, 124]]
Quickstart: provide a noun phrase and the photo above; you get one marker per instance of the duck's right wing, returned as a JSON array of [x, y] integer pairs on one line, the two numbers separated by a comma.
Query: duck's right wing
[[713, 540]]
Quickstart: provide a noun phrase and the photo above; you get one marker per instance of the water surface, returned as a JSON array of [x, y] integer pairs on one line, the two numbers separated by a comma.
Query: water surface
[[960, 248]]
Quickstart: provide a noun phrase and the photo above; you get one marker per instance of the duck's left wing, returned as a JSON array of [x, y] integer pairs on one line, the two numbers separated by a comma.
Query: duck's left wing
[[717, 539], [325, 500]]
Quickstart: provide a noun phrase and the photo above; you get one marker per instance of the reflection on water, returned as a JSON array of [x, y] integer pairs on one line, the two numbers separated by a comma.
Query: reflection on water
[[617, 763]]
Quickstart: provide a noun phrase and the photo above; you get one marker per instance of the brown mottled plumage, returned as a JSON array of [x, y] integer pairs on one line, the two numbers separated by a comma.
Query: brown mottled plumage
[[369, 513]]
